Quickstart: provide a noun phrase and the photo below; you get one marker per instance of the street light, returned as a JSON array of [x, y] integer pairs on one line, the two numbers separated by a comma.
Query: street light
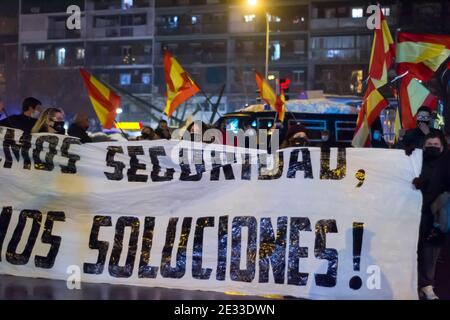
[[254, 3]]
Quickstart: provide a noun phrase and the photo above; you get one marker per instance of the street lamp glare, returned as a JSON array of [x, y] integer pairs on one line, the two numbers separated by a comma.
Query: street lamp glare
[[252, 3]]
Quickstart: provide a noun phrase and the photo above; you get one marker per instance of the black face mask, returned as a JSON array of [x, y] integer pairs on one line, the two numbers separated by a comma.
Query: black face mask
[[299, 142], [431, 153], [427, 123], [58, 126]]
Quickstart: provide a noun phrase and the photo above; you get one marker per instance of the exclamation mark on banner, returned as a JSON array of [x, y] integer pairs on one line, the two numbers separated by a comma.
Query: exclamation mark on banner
[[358, 231]]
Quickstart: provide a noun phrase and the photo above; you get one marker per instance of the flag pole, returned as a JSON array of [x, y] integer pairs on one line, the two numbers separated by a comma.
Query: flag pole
[[123, 133]]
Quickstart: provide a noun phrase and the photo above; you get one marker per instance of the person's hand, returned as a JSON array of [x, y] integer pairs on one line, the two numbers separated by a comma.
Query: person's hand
[[409, 149], [424, 128], [418, 183]]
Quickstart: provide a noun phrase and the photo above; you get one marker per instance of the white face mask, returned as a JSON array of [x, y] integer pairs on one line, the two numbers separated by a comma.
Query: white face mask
[[35, 114]]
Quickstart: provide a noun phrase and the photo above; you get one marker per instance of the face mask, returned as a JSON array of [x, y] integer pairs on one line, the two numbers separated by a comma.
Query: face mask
[[427, 123], [324, 138], [58, 126], [298, 142], [376, 136], [431, 153], [35, 114]]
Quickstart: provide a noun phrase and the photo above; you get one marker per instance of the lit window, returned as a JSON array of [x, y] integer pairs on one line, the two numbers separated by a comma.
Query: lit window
[[26, 54], [125, 79], [333, 53], [61, 56], [40, 54], [194, 19], [275, 51], [298, 76], [127, 4], [357, 12], [386, 11], [274, 19], [249, 17], [145, 78], [80, 53], [173, 22]]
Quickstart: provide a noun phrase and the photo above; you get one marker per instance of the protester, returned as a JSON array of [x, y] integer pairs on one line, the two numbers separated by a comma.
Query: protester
[[25, 121], [325, 139], [433, 181], [79, 127], [414, 138], [197, 131], [378, 140], [51, 121], [163, 130], [147, 133], [296, 137]]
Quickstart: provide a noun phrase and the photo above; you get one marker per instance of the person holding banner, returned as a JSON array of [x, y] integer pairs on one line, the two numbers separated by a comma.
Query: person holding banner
[[51, 121], [79, 128], [433, 181]]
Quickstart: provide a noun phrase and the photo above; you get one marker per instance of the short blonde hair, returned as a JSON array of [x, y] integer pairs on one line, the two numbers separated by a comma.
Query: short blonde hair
[[46, 115]]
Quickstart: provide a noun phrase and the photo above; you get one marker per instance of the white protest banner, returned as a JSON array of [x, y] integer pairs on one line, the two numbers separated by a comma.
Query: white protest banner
[[321, 224]]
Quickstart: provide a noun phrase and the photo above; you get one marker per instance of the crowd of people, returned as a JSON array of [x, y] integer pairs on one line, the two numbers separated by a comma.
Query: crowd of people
[[433, 182]]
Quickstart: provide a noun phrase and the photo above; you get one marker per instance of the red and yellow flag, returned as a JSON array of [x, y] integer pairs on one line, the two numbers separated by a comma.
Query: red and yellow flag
[[280, 106], [413, 95], [277, 103], [180, 87], [381, 59], [382, 55], [421, 54], [372, 105], [104, 101]]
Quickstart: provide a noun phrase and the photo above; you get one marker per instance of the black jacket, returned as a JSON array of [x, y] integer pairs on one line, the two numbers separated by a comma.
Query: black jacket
[[19, 121], [413, 137], [77, 131], [434, 175], [434, 181]]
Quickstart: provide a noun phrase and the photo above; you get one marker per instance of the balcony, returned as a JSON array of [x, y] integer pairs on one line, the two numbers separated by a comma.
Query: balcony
[[114, 32], [343, 23], [339, 55], [63, 33], [136, 88], [52, 63], [211, 28], [193, 58], [286, 57], [120, 60]]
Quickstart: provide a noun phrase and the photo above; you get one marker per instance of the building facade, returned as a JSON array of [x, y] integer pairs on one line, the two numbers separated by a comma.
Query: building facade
[[8, 58], [315, 44]]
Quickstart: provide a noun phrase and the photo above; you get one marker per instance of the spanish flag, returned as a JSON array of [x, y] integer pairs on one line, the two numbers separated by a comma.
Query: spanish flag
[[382, 55], [413, 95], [277, 103], [104, 101], [280, 106], [372, 105], [180, 87], [421, 54]]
